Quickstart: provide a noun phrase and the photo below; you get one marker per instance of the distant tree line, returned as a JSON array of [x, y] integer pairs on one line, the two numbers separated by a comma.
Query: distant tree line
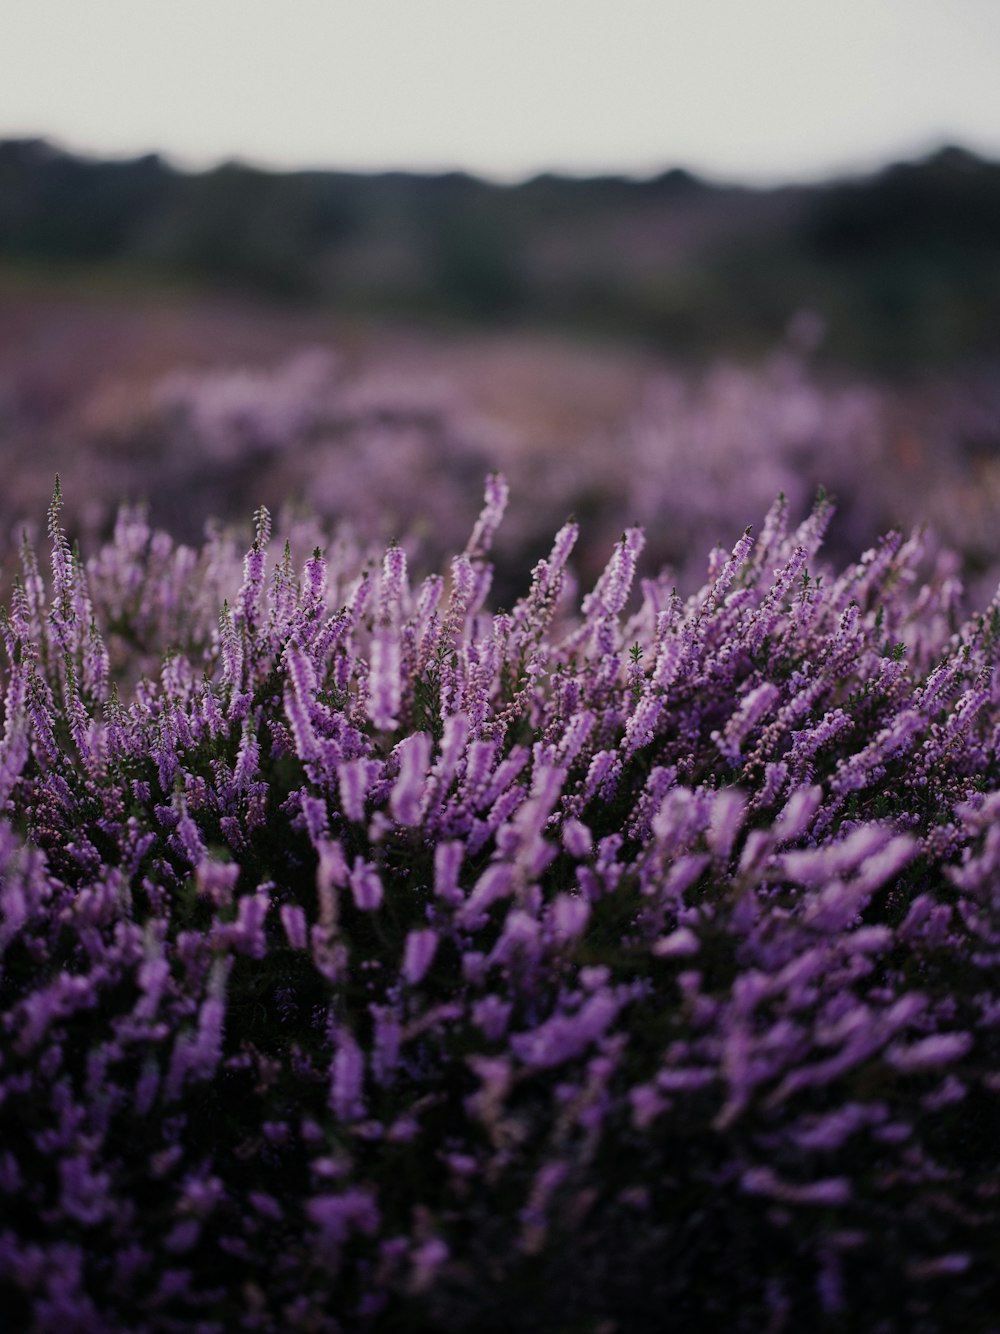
[[903, 265]]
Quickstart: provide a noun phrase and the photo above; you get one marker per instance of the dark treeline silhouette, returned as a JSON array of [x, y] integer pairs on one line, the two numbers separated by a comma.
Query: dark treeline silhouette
[[903, 265]]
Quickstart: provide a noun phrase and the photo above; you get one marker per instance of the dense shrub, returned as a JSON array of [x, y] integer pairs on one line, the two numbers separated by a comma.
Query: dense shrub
[[373, 960]]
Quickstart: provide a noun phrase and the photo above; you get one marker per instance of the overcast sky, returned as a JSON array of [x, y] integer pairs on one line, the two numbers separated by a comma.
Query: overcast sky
[[754, 89]]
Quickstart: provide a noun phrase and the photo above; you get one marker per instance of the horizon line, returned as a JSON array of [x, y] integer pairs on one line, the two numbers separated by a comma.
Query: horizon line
[[920, 151]]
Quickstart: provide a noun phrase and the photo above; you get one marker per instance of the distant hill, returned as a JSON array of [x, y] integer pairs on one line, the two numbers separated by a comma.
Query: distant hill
[[903, 265]]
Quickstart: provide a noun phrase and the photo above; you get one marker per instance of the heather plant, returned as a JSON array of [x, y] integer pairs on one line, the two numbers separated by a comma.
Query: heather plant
[[372, 959]]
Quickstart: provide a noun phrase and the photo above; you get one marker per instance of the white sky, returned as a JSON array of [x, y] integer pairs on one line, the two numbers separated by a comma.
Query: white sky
[[753, 89]]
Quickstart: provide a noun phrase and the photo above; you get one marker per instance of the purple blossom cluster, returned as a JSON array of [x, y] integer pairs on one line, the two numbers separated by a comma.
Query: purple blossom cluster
[[374, 960], [396, 447]]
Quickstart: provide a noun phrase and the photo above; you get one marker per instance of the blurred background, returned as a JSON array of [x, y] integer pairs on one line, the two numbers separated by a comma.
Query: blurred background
[[657, 260]]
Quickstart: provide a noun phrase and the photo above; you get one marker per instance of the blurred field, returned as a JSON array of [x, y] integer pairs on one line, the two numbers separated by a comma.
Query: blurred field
[[82, 375], [667, 352]]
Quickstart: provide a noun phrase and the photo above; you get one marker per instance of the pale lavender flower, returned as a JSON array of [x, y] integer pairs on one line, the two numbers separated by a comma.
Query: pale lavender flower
[[347, 1079], [495, 883], [353, 779], [299, 700], [680, 943], [217, 880], [481, 540], [569, 916], [577, 839], [930, 1052], [641, 726], [414, 753], [522, 839], [293, 919], [314, 583], [251, 593], [418, 954], [453, 743], [615, 584], [601, 775], [492, 1015], [394, 589], [828, 1192], [336, 1216], [752, 709], [247, 761], [724, 578], [564, 1036], [447, 864], [519, 940], [728, 815], [247, 934], [231, 649], [955, 1262], [387, 1038], [385, 681], [797, 814], [366, 886], [84, 1194], [427, 1259]]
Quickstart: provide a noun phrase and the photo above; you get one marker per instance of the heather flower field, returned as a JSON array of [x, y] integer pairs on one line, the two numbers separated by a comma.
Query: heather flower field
[[394, 937], [499, 627], [207, 408]]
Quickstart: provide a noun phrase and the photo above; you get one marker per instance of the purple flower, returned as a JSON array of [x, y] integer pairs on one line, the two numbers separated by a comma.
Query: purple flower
[[577, 839], [564, 1036], [407, 796], [481, 540], [335, 1217], [366, 887], [293, 919], [930, 1052], [385, 684], [448, 857], [569, 916], [678, 944], [418, 954], [347, 1079], [825, 1193]]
